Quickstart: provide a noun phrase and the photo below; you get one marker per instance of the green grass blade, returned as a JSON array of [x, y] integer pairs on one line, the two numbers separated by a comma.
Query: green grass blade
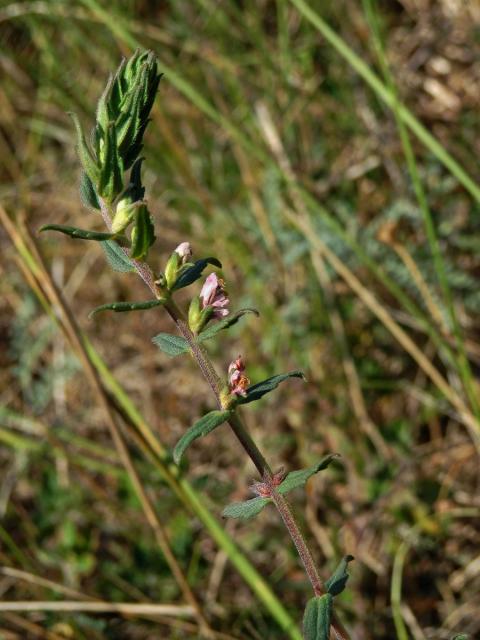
[[462, 362], [386, 96]]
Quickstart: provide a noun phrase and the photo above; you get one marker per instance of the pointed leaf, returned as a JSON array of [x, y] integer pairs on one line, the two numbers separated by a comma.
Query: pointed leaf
[[82, 234], [203, 427], [128, 123], [245, 510], [336, 584], [116, 257], [110, 182], [135, 190], [87, 192], [194, 272], [104, 114], [143, 234], [89, 163], [120, 307], [298, 478], [317, 616], [256, 391], [230, 320], [170, 344]]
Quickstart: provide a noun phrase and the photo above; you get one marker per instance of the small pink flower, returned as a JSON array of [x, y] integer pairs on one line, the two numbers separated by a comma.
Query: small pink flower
[[237, 380], [213, 294], [184, 250]]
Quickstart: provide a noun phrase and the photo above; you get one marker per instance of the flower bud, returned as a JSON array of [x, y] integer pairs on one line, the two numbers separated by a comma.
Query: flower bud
[[124, 214], [198, 317], [184, 251], [171, 270], [194, 315], [176, 262]]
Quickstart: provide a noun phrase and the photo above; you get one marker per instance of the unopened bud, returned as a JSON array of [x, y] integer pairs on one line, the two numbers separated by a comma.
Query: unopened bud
[[171, 270], [184, 251], [198, 317], [124, 214]]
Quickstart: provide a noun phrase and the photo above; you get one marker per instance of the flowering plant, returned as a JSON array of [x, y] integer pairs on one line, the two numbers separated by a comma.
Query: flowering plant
[[122, 117]]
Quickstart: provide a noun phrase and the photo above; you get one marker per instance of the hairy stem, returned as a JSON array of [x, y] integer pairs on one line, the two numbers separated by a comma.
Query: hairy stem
[[256, 456], [236, 424]]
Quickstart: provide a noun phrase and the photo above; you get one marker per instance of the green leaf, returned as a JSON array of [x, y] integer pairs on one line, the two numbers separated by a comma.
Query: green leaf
[[142, 79], [461, 636], [116, 257], [298, 478], [170, 344], [247, 509], [110, 182], [230, 320], [128, 123], [336, 584], [256, 391], [104, 113], [120, 307], [194, 272], [81, 234], [143, 233], [89, 163], [203, 427], [87, 192], [135, 190], [317, 616]]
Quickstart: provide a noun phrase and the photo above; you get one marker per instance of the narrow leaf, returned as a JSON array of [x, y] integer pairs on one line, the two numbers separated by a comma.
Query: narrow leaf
[[116, 258], [336, 584], [298, 478], [87, 192], [170, 344], [227, 322], [110, 182], [81, 234], [120, 307], [245, 510], [317, 616], [194, 272], [89, 163], [103, 111], [143, 234], [256, 391], [203, 427], [135, 191]]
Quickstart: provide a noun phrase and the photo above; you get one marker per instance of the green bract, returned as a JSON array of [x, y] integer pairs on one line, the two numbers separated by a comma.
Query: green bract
[[116, 142]]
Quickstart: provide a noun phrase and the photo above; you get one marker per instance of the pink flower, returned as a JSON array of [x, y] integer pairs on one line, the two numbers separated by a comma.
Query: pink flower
[[237, 380], [184, 251], [213, 294]]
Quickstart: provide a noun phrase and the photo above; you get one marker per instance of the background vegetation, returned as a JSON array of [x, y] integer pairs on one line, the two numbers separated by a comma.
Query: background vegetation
[[339, 216]]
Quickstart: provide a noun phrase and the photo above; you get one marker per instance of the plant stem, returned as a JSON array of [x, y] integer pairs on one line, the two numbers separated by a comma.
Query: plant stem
[[237, 426], [256, 456]]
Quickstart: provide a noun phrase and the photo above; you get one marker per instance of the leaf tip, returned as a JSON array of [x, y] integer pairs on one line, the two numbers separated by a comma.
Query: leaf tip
[[177, 456]]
